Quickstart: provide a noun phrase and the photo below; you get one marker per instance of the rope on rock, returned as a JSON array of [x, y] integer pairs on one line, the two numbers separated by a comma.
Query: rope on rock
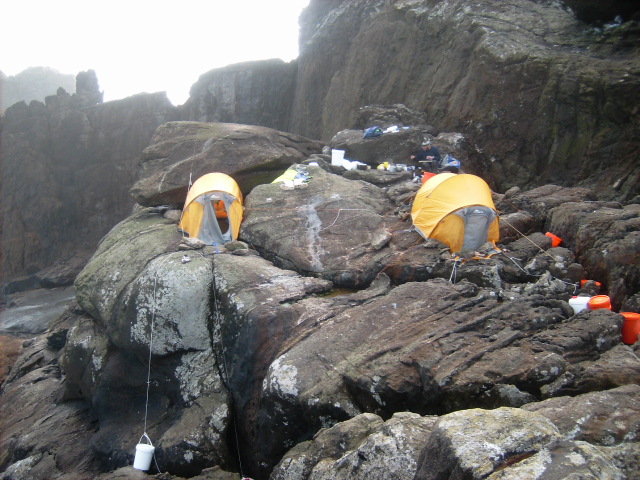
[[454, 271], [338, 214], [575, 285]]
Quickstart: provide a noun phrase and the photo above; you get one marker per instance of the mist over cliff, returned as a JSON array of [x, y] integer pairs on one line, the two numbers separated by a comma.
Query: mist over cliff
[[34, 83]]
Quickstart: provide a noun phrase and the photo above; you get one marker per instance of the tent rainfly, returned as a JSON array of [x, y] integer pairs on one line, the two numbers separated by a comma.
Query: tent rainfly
[[457, 210], [213, 209]]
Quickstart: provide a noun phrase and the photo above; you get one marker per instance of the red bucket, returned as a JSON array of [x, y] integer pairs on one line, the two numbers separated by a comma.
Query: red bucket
[[631, 327], [600, 301]]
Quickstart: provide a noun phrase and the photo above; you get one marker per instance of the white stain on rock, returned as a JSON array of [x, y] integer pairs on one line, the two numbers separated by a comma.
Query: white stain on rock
[[282, 378], [314, 242]]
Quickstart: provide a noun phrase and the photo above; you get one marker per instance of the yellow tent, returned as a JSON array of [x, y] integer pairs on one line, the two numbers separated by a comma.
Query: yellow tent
[[213, 209], [458, 210]]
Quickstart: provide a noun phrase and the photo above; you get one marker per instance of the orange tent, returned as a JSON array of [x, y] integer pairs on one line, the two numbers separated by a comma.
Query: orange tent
[[213, 209], [457, 210]]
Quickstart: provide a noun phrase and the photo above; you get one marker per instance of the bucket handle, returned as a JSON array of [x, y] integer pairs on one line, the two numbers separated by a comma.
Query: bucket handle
[[144, 435]]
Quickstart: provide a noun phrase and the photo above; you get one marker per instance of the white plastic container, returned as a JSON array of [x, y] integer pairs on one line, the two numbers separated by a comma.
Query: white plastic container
[[144, 454], [337, 156], [579, 303]]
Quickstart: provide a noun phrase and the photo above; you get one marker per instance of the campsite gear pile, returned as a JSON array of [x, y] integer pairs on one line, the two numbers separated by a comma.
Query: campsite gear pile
[[373, 132], [338, 160], [213, 209], [449, 161], [295, 176], [395, 167], [376, 131], [582, 302]]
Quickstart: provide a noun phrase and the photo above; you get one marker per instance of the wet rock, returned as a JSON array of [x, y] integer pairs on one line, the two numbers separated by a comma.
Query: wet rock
[[604, 238]]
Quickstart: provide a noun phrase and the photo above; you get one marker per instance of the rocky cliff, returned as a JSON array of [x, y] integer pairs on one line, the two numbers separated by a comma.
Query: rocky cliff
[[254, 93], [543, 96], [67, 166], [332, 340]]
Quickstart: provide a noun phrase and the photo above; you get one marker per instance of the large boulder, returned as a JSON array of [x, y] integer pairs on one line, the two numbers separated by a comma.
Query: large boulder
[[362, 448], [157, 305], [181, 152], [334, 228], [507, 443], [132, 281]]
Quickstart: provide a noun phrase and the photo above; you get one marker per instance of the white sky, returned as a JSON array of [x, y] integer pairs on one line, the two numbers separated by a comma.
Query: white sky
[[148, 46]]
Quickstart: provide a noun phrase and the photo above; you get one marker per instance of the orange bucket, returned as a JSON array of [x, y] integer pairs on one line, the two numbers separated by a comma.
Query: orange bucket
[[555, 240], [584, 282], [630, 328], [600, 301], [426, 176]]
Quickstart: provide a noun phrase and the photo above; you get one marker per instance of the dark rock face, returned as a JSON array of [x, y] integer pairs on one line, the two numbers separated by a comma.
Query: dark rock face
[[473, 72], [66, 170], [253, 93], [592, 11], [543, 96]]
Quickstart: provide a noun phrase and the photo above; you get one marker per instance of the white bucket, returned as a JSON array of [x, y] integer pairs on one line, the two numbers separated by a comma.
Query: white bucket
[[144, 454], [579, 303], [336, 157]]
